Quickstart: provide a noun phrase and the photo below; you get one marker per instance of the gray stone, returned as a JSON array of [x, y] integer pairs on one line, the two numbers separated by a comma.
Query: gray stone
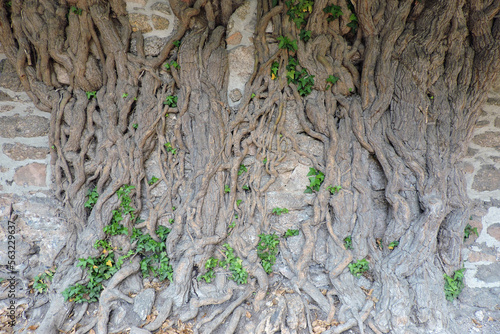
[[41, 228], [488, 273], [494, 231], [33, 174], [487, 179], [494, 101], [241, 62], [30, 126], [471, 152], [234, 39], [153, 45], [289, 200], [9, 78], [140, 22], [143, 303], [5, 96], [482, 123], [159, 22], [487, 139], [162, 7], [497, 122], [235, 95], [483, 298], [6, 107], [20, 152]]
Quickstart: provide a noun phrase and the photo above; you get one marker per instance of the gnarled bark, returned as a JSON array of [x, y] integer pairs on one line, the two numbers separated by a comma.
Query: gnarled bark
[[411, 80]]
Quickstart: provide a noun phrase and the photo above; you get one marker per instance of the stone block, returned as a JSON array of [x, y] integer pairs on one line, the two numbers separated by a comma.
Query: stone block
[[140, 22], [153, 45], [162, 7], [497, 122], [471, 152], [488, 273], [6, 108], [31, 175], [30, 126], [5, 97], [9, 78], [159, 22], [482, 123], [487, 179], [480, 257], [234, 39], [494, 231], [20, 152], [235, 95], [487, 139], [468, 168], [143, 303]]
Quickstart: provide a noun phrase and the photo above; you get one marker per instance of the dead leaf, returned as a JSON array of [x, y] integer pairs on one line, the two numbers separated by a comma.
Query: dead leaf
[[91, 331], [248, 315], [33, 327]]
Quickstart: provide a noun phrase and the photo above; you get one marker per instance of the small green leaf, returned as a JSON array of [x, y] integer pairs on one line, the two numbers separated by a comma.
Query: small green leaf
[[291, 233], [348, 242], [305, 35], [171, 101], [279, 211], [242, 170], [90, 94], [359, 267], [332, 79], [153, 180]]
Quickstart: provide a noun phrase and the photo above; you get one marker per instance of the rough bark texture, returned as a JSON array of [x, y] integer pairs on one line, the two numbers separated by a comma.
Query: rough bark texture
[[412, 78]]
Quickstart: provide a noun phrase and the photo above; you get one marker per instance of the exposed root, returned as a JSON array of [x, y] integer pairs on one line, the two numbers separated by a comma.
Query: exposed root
[[375, 134]]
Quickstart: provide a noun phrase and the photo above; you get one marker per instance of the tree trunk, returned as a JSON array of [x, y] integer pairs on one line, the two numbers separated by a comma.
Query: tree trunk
[[391, 132]]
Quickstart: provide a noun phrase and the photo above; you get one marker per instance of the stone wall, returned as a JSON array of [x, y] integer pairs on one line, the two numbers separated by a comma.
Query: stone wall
[[155, 20], [25, 178], [482, 253]]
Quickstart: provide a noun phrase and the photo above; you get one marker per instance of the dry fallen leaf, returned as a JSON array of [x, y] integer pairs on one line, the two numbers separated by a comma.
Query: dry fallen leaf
[[33, 327], [248, 315]]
